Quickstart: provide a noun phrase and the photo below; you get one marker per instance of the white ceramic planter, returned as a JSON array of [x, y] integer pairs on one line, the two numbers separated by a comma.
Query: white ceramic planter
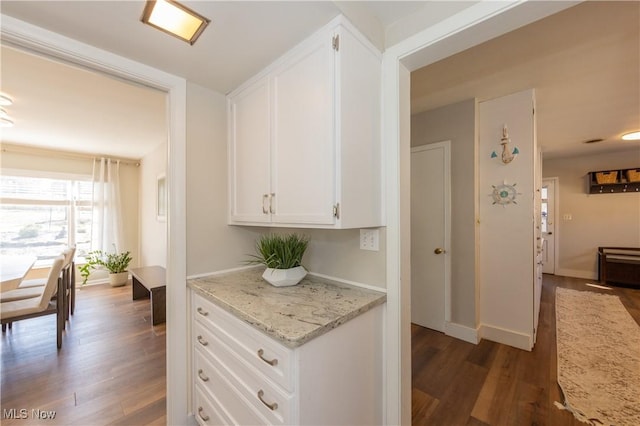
[[284, 277], [119, 279]]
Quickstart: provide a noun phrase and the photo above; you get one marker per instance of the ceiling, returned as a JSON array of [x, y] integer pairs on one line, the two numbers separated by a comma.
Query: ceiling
[[583, 62], [59, 106], [62, 107]]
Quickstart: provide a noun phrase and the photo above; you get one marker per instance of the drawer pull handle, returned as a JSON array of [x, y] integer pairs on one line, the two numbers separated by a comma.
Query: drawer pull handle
[[202, 312], [272, 362], [272, 407], [202, 341], [204, 418], [203, 377]]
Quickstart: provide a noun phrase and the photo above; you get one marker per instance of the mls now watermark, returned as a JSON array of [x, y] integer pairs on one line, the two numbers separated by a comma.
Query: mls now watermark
[[23, 413]]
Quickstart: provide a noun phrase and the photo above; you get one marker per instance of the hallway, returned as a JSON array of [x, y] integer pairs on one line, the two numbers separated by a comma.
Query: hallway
[[458, 383]]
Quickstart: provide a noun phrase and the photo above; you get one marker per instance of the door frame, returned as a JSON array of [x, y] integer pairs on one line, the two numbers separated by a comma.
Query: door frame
[[446, 146], [556, 215], [31, 38], [469, 27]]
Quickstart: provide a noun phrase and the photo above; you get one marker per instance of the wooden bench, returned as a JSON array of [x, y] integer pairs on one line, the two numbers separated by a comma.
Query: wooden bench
[[150, 281], [619, 265]]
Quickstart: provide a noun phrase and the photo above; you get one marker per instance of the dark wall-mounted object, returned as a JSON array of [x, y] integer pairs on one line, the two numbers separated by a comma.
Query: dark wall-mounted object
[[614, 181]]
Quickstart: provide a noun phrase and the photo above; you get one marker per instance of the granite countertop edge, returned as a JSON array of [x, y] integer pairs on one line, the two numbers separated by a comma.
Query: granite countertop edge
[[274, 333]]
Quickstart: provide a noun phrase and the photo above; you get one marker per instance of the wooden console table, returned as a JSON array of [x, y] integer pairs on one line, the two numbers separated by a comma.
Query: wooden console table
[[150, 281]]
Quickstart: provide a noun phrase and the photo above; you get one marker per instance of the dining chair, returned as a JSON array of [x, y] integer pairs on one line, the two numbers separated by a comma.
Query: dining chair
[[45, 304], [68, 277], [20, 293]]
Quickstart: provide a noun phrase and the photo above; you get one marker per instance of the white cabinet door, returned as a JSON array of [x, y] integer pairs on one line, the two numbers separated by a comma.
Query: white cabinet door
[[249, 153], [303, 144]]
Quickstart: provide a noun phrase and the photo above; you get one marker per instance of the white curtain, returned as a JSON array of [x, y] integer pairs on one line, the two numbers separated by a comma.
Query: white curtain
[[106, 229]]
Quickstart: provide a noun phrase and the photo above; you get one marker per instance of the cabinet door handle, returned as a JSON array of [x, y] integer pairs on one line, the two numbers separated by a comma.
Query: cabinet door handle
[[273, 406], [272, 210], [202, 341], [272, 362], [202, 376], [202, 312], [264, 207], [204, 417]]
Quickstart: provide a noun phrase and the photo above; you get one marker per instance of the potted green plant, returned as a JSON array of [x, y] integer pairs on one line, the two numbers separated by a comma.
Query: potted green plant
[[115, 263], [282, 255]]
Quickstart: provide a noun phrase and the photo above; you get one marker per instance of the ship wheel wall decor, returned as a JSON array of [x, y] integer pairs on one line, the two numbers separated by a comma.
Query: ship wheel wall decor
[[504, 194]]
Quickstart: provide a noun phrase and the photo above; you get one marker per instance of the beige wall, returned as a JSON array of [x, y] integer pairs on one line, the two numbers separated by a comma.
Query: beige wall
[[153, 232], [212, 245], [457, 123], [596, 219], [27, 158]]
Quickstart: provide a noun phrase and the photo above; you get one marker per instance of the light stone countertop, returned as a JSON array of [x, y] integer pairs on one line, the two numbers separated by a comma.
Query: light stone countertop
[[291, 315]]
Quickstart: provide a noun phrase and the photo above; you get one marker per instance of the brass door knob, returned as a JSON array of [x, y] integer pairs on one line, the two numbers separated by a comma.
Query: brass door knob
[[438, 251]]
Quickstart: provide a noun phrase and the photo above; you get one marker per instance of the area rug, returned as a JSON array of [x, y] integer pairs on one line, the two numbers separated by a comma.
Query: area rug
[[598, 358]]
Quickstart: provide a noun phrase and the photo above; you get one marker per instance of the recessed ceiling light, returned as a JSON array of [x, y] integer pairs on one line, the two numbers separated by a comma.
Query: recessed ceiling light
[[5, 100], [633, 136], [175, 19]]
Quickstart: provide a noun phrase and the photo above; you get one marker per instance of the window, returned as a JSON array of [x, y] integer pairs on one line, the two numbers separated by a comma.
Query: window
[[544, 207], [40, 216]]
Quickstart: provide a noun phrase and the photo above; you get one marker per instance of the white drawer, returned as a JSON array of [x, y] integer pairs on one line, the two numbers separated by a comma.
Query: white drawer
[[240, 401], [208, 412], [265, 354], [262, 394]]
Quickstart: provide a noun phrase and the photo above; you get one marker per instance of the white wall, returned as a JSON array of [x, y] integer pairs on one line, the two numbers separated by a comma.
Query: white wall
[[596, 219], [507, 231], [153, 232], [337, 253], [212, 245], [456, 123]]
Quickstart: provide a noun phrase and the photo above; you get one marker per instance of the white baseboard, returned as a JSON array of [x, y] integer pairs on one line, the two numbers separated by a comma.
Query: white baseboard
[[577, 273], [461, 332], [506, 337]]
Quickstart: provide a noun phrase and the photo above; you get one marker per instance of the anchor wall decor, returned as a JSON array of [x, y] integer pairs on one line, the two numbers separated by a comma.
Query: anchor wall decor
[[507, 154]]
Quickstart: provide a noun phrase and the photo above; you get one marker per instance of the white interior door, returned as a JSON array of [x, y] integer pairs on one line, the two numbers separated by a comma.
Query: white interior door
[[548, 226], [430, 231]]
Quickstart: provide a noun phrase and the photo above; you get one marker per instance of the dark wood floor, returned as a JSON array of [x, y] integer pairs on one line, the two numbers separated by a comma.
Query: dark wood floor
[[111, 368], [458, 383]]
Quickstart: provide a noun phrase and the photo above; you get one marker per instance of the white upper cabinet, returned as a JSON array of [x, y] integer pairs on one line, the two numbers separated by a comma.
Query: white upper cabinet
[[249, 152], [304, 136]]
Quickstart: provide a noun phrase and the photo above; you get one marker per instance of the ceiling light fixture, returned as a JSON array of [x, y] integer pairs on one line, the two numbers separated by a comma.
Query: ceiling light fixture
[[5, 100], [633, 136], [175, 19], [5, 120]]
